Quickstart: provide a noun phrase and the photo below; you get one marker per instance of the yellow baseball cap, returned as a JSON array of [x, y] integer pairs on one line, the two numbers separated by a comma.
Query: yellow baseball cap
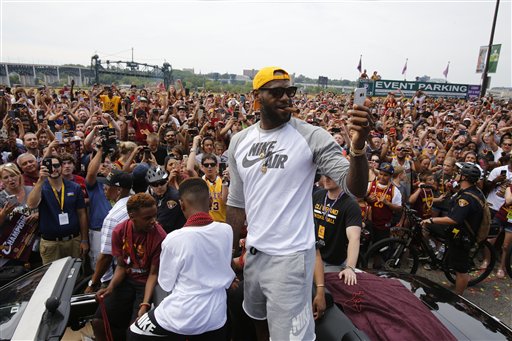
[[268, 74]]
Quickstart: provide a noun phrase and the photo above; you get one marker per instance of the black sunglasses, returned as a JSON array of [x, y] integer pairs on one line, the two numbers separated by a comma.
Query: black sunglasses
[[158, 183], [279, 92], [209, 165]]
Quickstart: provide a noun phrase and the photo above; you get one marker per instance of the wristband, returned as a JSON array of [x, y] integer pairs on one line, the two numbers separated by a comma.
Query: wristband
[[357, 152], [145, 304], [320, 285], [351, 268], [431, 220], [84, 241]]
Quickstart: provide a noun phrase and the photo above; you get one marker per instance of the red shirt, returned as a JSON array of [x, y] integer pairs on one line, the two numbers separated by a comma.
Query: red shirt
[[138, 126], [138, 250], [29, 181], [381, 214], [424, 203]]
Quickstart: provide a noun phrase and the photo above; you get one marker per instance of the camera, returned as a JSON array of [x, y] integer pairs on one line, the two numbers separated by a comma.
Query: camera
[[48, 164], [193, 131], [40, 116], [155, 111], [109, 141], [146, 152], [13, 113], [426, 186]]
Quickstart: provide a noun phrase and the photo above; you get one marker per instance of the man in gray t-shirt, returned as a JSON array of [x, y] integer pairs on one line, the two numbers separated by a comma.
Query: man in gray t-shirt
[[272, 166]]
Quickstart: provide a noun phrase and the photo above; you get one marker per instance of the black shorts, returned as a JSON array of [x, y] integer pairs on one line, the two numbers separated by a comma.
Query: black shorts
[[457, 258], [439, 231], [123, 305], [146, 328]]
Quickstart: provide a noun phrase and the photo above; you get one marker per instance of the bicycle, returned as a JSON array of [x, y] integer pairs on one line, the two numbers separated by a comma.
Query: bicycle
[[402, 253]]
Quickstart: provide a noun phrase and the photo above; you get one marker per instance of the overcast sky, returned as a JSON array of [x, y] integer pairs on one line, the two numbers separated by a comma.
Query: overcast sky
[[314, 38]]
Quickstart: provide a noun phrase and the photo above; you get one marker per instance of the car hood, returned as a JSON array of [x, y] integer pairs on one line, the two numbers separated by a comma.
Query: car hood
[[462, 318]]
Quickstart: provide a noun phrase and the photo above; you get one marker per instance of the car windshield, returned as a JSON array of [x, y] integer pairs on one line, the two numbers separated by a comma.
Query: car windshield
[[14, 298]]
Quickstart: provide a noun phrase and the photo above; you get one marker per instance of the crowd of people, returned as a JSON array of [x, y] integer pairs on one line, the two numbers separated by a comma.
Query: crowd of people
[[99, 173]]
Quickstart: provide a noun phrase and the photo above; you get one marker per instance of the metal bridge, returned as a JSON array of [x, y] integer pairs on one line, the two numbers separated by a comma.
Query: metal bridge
[[53, 74]]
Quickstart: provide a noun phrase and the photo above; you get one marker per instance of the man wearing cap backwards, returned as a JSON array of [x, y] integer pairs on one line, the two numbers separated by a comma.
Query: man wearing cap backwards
[[115, 187], [385, 198], [269, 163]]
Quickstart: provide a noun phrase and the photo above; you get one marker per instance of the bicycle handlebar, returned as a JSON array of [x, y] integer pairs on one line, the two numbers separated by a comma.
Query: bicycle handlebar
[[412, 214]]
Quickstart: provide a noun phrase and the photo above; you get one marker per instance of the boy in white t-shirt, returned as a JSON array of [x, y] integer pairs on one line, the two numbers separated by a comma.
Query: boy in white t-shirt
[[196, 270]]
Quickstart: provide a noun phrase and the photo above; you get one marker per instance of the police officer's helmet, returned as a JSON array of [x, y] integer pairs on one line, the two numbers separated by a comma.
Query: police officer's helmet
[[471, 171], [156, 174]]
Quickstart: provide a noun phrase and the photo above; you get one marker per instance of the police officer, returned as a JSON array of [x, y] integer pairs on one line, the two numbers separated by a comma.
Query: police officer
[[466, 211], [169, 213]]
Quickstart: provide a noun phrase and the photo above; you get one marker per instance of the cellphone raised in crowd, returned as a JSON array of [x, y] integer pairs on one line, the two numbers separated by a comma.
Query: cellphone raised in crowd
[[58, 136], [359, 96], [48, 164], [40, 116], [222, 167]]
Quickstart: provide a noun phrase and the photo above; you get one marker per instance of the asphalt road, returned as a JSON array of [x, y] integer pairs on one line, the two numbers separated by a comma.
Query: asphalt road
[[492, 294]]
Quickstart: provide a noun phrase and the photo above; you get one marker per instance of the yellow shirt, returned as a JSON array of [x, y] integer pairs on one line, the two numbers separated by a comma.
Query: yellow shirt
[[110, 104], [218, 206]]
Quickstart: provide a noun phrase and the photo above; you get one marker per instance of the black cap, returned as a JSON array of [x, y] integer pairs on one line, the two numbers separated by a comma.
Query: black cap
[[118, 178]]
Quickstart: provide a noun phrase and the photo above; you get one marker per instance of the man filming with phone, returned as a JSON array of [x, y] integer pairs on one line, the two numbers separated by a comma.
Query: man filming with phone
[[62, 215]]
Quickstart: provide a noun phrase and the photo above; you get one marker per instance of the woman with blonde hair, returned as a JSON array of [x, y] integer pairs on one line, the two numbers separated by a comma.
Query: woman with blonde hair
[[18, 224], [127, 152]]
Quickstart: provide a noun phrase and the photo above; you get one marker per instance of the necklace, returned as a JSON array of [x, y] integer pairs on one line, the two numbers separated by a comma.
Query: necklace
[[383, 194], [429, 201], [326, 208]]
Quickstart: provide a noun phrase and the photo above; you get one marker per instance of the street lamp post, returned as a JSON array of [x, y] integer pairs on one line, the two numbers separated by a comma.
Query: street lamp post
[[485, 77]]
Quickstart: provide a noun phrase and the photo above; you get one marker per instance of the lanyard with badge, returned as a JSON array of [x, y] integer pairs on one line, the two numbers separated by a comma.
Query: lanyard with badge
[[63, 217], [326, 209]]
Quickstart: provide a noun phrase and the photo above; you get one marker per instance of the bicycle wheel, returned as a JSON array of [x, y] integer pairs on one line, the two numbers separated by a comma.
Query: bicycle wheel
[[475, 273], [508, 261], [391, 254]]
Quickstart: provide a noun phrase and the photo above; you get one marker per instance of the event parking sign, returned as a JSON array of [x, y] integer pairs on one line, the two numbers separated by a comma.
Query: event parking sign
[[383, 87]]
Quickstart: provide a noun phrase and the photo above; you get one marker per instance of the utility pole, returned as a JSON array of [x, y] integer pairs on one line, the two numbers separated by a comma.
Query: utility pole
[[485, 77]]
